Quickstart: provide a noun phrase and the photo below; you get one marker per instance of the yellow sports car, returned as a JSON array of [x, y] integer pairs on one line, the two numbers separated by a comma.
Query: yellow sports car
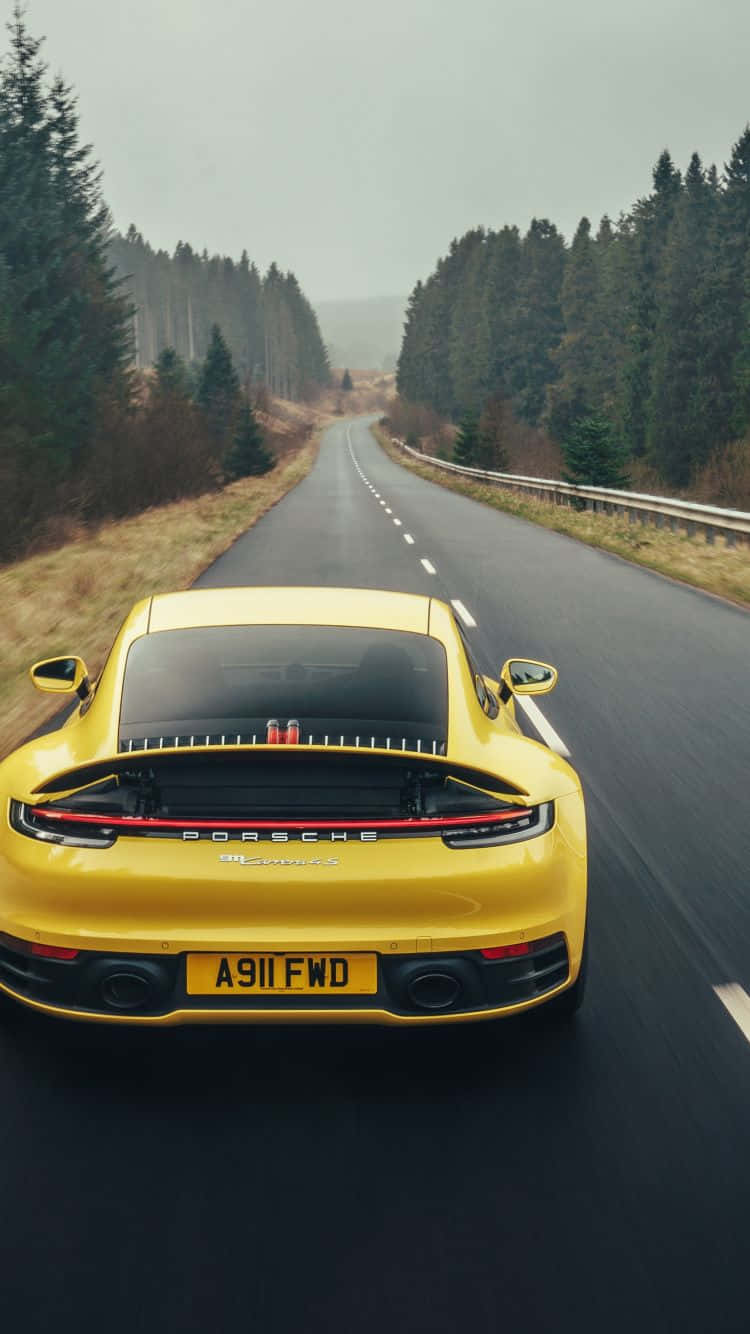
[[291, 804]]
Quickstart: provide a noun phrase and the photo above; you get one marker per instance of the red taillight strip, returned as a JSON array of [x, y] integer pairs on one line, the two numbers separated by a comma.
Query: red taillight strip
[[149, 822]]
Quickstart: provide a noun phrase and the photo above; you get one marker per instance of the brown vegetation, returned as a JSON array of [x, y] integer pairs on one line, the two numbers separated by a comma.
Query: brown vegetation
[[372, 392], [72, 599]]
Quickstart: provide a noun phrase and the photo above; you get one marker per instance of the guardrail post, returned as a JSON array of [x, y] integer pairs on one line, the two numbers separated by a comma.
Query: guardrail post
[[710, 532]]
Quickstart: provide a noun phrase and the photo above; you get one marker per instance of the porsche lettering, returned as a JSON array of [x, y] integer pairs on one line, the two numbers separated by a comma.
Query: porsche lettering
[[281, 835]]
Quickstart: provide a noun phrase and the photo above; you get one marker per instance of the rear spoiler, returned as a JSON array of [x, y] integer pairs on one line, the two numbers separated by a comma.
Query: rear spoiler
[[116, 768]]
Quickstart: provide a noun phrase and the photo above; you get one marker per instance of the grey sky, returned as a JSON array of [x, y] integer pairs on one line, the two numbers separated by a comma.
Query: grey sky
[[350, 142]]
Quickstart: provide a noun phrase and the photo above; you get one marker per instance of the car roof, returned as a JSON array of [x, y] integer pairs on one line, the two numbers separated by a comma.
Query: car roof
[[290, 606]]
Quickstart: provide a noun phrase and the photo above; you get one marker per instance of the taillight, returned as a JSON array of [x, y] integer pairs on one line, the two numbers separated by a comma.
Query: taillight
[[56, 829], [272, 732], [516, 826], [292, 732]]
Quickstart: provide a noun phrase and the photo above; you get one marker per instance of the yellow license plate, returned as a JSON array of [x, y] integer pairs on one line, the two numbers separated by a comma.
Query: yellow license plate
[[282, 974]]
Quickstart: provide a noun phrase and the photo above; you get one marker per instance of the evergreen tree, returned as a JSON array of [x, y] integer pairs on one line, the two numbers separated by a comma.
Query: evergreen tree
[[651, 221], [538, 322], [218, 389], [67, 344], [171, 374], [679, 416], [346, 382], [593, 455], [575, 392], [248, 455], [734, 277], [466, 444]]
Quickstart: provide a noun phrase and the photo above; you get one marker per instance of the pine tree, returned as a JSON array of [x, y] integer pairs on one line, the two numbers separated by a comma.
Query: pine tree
[[347, 383], [679, 416], [218, 388], [652, 218], [69, 324], [466, 444], [171, 374], [575, 392], [248, 455], [538, 323], [593, 455]]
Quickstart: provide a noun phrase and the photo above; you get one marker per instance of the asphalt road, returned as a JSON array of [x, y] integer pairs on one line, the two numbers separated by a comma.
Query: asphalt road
[[493, 1177]]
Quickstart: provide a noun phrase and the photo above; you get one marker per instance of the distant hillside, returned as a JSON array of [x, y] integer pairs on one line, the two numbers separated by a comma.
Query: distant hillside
[[363, 334]]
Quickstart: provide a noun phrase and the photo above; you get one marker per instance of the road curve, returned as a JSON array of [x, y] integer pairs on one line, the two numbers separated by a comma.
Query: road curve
[[487, 1177]]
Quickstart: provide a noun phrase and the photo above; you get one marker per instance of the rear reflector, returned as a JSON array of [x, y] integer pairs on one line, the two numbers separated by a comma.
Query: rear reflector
[[507, 951], [53, 952], [34, 947]]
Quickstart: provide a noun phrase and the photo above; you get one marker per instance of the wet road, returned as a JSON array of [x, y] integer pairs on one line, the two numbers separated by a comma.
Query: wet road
[[488, 1177]]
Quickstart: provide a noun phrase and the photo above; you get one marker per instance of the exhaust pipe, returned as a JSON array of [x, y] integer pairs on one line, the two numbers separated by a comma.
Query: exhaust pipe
[[124, 990], [434, 990]]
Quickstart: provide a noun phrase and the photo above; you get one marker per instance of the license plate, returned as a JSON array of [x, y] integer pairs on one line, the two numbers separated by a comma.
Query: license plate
[[282, 974]]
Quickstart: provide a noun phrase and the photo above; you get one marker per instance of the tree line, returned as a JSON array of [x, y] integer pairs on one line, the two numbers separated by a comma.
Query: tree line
[[83, 434], [268, 323], [630, 345]]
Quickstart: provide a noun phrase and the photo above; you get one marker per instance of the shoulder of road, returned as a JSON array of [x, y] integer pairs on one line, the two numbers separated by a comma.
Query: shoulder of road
[[716, 569]]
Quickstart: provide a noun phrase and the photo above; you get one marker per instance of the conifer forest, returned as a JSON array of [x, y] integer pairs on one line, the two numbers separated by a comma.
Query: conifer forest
[[636, 334], [127, 376]]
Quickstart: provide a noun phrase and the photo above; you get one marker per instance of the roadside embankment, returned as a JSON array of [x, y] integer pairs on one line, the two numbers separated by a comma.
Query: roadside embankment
[[73, 599], [716, 568]]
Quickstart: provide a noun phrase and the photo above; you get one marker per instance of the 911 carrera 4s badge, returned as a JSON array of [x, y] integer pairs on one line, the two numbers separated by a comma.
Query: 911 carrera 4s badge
[[241, 860]]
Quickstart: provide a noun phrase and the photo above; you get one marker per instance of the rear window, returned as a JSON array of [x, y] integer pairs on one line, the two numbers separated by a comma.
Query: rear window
[[230, 680]]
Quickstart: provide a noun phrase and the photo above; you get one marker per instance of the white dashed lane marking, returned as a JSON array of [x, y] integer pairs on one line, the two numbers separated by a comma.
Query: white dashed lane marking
[[729, 994], [736, 1001], [464, 613]]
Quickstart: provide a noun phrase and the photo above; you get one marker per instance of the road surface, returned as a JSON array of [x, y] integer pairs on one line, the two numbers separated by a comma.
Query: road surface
[[487, 1178]]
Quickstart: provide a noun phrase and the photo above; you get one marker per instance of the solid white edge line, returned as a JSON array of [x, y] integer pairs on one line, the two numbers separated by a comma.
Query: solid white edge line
[[736, 1002], [545, 729], [428, 565], [463, 612], [408, 538]]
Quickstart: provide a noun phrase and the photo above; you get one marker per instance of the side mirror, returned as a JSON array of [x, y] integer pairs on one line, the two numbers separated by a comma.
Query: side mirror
[[62, 676], [523, 676]]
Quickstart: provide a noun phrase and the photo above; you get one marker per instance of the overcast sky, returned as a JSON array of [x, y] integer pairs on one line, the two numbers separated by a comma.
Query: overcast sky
[[350, 142]]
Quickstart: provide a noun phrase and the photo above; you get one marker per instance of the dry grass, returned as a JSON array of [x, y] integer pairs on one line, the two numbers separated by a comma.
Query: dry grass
[[716, 569], [74, 598]]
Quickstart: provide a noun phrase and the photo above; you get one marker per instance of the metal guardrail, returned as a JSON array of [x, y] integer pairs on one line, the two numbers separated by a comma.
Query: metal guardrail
[[733, 525]]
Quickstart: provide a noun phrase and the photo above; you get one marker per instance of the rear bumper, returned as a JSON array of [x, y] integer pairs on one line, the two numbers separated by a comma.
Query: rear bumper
[[94, 985]]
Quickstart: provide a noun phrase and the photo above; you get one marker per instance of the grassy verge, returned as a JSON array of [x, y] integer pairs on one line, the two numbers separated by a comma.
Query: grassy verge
[[74, 599], [716, 569]]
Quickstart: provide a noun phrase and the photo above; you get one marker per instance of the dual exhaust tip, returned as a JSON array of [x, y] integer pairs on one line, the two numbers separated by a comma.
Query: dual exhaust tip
[[126, 990]]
